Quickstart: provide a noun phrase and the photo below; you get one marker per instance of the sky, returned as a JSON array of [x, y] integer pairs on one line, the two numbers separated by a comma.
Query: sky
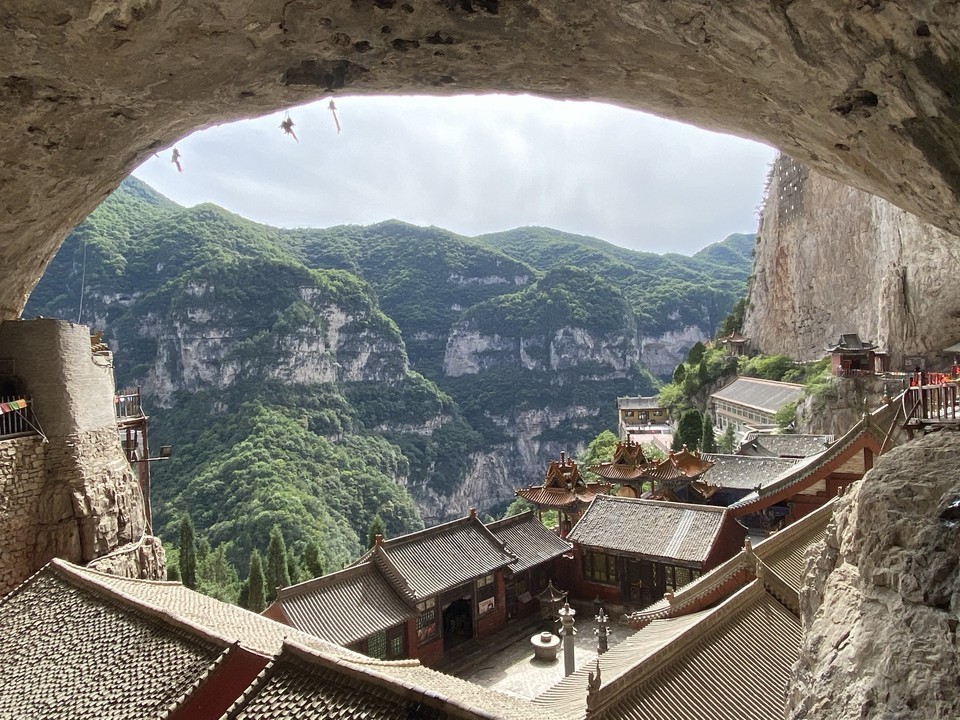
[[474, 165]]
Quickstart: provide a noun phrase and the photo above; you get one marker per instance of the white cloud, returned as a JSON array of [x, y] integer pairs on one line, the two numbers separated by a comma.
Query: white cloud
[[476, 164]]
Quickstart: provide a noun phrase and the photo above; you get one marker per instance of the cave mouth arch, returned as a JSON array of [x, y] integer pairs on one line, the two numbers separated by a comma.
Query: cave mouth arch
[[90, 91]]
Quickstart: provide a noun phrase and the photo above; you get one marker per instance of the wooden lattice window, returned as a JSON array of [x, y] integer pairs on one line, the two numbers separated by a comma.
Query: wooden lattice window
[[600, 567], [427, 627]]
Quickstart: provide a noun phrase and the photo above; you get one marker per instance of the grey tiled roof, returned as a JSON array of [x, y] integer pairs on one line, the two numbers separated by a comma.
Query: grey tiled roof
[[180, 603], [303, 683], [765, 395], [294, 687], [70, 652], [803, 472], [733, 664], [743, 472], [526, 537], [345, 606], [797, 446], [651, 402], [430, 561], [650, 528], [785, 553]]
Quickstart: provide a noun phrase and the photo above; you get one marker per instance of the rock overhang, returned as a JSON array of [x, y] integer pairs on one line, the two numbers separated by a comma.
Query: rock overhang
[[866, 94]]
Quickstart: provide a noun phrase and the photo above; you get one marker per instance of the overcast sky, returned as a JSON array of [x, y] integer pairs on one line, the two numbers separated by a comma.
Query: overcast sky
[[477, 164]]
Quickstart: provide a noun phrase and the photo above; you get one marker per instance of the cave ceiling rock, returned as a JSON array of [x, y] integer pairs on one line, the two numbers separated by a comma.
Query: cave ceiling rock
[[867, 92]]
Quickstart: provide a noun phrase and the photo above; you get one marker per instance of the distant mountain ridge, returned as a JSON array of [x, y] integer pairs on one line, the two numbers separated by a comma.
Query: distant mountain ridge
[[434, 366]]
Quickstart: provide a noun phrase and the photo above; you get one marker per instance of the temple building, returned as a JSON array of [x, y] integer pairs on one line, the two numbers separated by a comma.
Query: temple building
[[735, 343], [539, 552], [79, 643], [632, 551], [811, 482], [415, 596], [732, 477], [787, 445], [564, 490], [677, 477], [850, 356], [749, 404], [722, 646], [641, 415]]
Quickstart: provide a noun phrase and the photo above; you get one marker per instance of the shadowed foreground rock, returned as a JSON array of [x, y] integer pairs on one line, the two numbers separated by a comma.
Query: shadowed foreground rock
[[880, 608]]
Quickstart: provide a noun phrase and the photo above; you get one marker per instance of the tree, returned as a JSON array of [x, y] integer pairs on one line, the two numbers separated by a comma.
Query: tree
[[256, 584], [217, 577], [727, 441], [313, 559], [376, 528], [708, 442], [696, 353], [188, 552], [278, 572], [688, 430], [599, 450], [679, 374]]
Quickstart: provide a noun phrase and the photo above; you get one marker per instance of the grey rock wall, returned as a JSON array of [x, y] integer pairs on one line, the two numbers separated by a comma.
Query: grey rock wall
[[831, 259], [882, 596]]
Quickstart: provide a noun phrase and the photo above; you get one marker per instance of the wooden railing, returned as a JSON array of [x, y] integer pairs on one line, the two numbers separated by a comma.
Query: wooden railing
[[931, 399], [17, 422], [128, 404]]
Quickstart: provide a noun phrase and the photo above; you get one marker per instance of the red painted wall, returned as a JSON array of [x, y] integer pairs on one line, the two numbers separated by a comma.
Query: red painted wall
[[212, 699], [580, 588], [729, 542], [497, 618]]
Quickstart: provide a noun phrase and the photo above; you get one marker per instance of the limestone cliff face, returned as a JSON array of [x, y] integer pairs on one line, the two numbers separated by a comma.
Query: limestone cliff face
[[831, 259], [882, 597], [662, 353], [498, 472], [469, 352], [204, 346]]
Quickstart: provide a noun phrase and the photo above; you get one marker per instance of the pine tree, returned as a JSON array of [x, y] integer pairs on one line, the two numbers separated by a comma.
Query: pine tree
[[727, 441], [278, 572], [679, 374], [708, 442], [376, 528], [688, 430], [188, 552], [256, 584], [313, 559]]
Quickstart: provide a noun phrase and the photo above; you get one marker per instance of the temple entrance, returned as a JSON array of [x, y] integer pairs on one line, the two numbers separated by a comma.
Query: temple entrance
[[457, 623], [641, 587]]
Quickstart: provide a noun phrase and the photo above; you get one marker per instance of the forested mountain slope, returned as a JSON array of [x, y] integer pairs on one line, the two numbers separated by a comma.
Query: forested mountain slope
[[316, 378]]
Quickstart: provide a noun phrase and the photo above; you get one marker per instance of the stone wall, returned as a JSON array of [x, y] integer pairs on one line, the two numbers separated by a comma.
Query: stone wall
[[72, 389], [71, 494], [21, 486], [831, 259]]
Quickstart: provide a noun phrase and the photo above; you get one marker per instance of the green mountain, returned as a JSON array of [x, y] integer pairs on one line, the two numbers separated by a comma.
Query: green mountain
[[314, 379], [664, 289]]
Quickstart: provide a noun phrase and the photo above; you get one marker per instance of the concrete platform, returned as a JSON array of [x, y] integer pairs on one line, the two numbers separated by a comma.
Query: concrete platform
[[505, 662]]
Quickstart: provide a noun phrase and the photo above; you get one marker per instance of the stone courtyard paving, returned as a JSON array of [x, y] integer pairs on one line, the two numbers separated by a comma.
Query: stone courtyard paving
[[513, 670]]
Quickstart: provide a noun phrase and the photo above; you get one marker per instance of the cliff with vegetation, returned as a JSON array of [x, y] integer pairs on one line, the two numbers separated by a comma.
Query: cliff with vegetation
[[313, 379]]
